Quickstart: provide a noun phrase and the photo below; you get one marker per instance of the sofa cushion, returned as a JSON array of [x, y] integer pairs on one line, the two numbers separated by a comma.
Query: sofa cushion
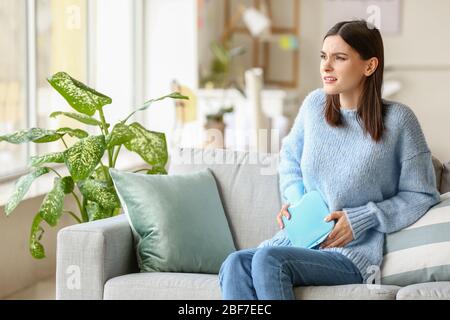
[[445, 178], [421, 252], [178, 220], [194, 286], [248, 187], [347, 292], [163, 286], [425, 291]]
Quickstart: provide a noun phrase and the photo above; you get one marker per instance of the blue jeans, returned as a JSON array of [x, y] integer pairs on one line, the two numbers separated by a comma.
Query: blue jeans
[[270, 273]]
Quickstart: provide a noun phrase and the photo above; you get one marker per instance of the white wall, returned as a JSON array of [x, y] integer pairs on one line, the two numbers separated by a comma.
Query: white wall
[[422, 49], [424, 45], [113, 54], [171, 53]]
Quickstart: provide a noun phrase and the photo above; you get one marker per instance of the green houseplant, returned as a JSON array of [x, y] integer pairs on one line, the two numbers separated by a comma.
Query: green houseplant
[[220, 73], [89, 181], [221, 76]]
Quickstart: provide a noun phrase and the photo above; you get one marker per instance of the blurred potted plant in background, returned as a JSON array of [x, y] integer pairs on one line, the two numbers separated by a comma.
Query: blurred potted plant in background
[[215, 128], [218, 116], [88, 181], [220, 72], [221, 77]]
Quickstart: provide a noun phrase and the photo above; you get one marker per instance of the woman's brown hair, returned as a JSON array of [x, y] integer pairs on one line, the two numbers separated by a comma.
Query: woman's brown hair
[[367, 41]]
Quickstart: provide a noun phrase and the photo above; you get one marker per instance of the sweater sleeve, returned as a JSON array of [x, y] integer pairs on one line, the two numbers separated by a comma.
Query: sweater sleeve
[[292, 147], [417, 190]]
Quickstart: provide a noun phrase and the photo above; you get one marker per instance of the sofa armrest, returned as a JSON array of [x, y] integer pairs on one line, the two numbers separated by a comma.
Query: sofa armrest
[[89, 254]]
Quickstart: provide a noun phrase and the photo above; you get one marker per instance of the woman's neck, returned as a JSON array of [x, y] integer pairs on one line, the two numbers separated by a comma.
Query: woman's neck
[[350, 100]]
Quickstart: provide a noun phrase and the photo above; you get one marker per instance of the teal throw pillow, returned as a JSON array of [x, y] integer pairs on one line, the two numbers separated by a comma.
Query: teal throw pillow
[[178, 221]]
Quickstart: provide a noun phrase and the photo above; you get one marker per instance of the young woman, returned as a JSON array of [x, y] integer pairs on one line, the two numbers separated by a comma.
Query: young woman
[[369, 159]]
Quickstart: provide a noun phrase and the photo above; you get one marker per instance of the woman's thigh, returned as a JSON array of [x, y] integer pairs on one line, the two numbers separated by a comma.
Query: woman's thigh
[[308, 267]]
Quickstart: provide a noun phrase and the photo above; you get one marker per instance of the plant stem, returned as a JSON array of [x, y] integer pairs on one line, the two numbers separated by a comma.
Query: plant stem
[[115, 156], [105, 172], [51, 169], [65, 144], [110, 158], [76, 198], [73, 215], [102, 119], [83, 212], [141, 170], [105, 129]]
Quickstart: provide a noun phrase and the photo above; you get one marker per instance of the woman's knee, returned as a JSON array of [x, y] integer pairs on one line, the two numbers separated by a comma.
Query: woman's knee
[[267, 257], [235, 262]]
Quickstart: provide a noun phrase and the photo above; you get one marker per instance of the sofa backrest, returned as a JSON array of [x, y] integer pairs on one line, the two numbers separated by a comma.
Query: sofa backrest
[[442, 172], [248, 187], [438, 168], [445, 178]]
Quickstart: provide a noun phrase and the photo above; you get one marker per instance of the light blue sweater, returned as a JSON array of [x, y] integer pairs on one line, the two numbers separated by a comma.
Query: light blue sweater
[[381, 187]]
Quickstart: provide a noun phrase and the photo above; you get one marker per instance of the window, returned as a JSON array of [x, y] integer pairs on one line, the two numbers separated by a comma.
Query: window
[[61, 45], [97, 42], [12, 81], [37, 38]]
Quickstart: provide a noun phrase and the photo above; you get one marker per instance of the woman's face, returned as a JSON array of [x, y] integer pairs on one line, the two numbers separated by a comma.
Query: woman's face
[[341, 67]]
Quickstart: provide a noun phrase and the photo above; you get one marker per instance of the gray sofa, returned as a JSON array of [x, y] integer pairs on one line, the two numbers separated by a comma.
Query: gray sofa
[[97, 260]]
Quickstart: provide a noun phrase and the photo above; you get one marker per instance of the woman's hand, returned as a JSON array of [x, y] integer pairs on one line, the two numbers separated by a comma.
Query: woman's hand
[[283, 212], [342, 232]]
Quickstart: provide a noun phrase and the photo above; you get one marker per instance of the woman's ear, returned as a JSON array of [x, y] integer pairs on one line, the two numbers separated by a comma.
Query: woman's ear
[[371, 66]]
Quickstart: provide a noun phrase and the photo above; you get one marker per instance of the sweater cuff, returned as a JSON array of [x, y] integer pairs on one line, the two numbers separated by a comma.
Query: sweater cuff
[[360, 219]]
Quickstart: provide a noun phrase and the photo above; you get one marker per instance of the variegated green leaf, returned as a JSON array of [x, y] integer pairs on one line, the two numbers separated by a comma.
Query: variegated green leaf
[[150, 145], [97, 212], [80, 97], [67, 184], [100, 192], [79, 117], [36, 135], [157, 170], [99, 173], [82, 158], [57, 157], [78, 133], [21, 188], [174, 95], [36, 248], [119, 135], [52, 206]]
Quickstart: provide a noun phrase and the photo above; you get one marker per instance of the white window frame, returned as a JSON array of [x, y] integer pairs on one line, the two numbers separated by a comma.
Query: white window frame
[[138, 67]]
